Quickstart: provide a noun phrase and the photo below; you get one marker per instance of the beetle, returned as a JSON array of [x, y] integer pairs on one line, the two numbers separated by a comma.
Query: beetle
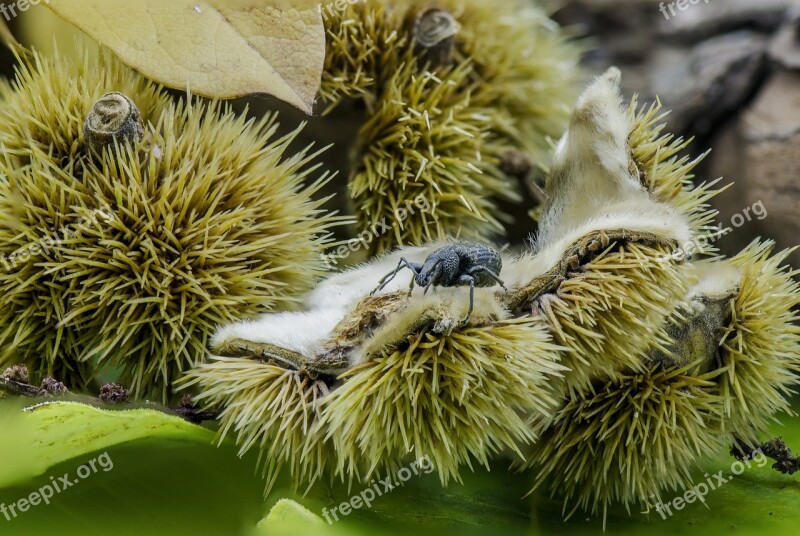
[[453, 265]]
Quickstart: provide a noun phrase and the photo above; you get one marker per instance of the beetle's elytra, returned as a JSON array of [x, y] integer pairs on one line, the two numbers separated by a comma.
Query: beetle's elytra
[[454, 265]]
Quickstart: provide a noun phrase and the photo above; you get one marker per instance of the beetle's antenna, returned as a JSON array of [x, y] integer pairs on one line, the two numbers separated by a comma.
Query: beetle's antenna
[[388, 277]]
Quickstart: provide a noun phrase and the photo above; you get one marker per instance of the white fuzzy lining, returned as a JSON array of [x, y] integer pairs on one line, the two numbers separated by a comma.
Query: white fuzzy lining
[[591, 189]]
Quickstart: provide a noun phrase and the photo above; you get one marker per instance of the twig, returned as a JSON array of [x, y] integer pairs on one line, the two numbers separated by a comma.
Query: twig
[[16, 388], [196, 416], [775, 449], [109, 394]]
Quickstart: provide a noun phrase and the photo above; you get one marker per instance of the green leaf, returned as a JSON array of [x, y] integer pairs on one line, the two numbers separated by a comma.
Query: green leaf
[[59, 431], [169, 479], [16, 431], [759, 501], [166, 475], [290, 517], [288, 512]]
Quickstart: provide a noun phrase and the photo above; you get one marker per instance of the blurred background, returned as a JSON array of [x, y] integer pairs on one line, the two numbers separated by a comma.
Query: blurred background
[[730, 72]]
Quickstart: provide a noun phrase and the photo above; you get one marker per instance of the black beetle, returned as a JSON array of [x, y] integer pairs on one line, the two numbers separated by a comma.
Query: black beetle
[[454, 265]]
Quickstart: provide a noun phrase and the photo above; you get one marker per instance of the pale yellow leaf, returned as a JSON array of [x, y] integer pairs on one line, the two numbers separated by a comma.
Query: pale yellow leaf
[[46, 32], [214, 48]]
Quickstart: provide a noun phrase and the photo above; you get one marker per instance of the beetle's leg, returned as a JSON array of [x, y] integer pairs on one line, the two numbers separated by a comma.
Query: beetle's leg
[[410, 287], [464, 280], [494, 276], [437, 270], [414, 267], [542, 306]]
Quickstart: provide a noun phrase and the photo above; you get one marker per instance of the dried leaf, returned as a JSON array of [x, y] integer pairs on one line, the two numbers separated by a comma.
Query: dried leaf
[[215, 48]]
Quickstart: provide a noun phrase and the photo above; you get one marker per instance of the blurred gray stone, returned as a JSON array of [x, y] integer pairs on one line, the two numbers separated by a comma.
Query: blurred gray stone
[[760, 151], [714, 17], [730, 72], [785, 47], [710, 82]]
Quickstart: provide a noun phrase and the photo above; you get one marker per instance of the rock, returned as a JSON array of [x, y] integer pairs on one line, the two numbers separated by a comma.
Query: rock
[[717, 77], [702, 81], [703, 18], [785, 47], [775, 114], [730, 72], [703, 84], [760, 151]]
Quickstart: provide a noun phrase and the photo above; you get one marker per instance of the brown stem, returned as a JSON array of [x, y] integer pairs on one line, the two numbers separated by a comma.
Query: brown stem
[[110, 394], [16, 388], [195, 415], [774, 448]]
